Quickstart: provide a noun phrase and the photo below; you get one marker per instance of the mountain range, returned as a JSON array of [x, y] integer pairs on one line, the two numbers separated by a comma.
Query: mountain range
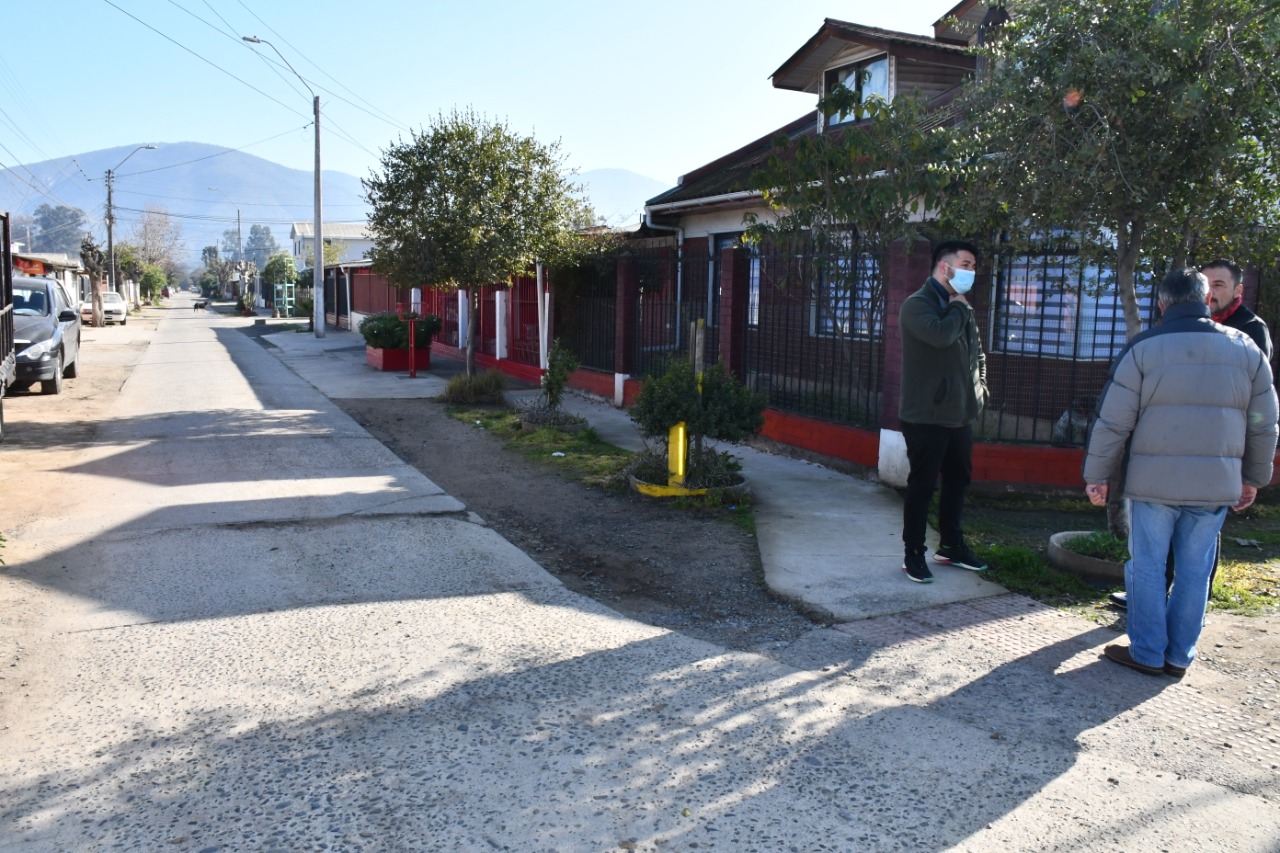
[[203, 186]]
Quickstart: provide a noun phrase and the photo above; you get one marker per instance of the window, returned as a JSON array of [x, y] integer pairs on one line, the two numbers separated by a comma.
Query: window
[[869, 79], [845, 295], [1049, 304]]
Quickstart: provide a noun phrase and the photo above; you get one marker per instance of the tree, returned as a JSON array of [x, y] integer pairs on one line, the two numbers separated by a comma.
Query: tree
[[158, 239], [1147, 130], [260, 246], [280, 269], [59, 229], [853, 189], [95, 262], [465, 204], [219, 272], [152, 281]]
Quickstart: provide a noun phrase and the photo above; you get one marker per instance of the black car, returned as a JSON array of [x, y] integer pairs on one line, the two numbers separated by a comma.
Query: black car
[[46, 334]]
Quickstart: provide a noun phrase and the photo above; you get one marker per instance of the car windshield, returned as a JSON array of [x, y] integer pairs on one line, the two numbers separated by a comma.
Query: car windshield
[[31, 303], [112, 296]]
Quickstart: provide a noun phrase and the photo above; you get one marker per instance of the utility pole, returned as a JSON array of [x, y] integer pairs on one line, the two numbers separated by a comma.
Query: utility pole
[[111, 218], [317, 273]]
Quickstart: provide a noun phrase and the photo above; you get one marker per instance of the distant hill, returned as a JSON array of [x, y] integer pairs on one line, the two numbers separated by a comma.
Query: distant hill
[[177, 178], [618, 195]]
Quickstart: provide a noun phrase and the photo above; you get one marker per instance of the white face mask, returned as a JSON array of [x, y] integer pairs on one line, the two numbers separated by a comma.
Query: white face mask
[[962, 280]]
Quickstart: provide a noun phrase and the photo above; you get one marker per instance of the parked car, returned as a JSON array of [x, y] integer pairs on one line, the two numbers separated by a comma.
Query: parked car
[[114, 309], [46, 334]]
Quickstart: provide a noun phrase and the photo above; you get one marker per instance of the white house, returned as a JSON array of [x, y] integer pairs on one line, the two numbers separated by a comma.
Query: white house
[[353, 239]]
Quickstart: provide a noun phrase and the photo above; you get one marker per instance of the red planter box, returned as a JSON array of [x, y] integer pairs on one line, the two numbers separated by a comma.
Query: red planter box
[[397, 359]]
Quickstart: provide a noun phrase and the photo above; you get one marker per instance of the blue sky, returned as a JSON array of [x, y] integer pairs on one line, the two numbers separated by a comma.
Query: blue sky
[[658, 88]]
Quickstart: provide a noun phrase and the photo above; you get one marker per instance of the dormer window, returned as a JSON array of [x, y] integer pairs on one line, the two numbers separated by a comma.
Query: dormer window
[[869, 78]]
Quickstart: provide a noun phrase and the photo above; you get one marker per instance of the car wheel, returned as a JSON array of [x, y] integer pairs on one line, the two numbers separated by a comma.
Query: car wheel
[[124, 322], [54, 385], [72, 369], [1, 414]]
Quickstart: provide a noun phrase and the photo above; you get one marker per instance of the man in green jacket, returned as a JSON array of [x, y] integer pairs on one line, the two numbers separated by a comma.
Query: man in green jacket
[[944, 385]]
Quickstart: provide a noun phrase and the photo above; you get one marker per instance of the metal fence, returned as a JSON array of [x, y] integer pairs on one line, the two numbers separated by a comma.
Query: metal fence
[[814, 339], [674, 293], [585, 311], [1054, 325]]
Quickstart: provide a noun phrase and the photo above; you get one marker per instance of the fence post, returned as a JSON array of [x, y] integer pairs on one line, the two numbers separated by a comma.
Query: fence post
[[735, 293], [624, 328]]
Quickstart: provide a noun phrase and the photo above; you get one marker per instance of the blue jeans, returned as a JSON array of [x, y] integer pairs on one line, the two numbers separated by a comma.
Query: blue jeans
[[1164, 628]]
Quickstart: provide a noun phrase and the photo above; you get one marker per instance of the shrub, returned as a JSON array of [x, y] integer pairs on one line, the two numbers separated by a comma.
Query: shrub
[[724, 409], [561, 363], [466, 390], [389, 331]]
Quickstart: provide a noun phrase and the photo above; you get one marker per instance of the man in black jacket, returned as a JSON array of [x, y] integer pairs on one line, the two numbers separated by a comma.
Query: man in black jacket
[[944, 385], [1226, 301]]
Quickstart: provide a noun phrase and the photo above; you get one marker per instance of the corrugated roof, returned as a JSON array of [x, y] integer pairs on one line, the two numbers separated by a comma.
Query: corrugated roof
[[333, 231]]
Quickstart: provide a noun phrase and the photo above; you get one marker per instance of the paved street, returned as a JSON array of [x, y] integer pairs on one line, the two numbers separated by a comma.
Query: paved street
[[232, 620]]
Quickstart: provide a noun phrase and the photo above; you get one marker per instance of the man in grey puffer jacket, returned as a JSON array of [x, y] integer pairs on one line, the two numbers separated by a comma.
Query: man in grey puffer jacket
[[1190, 411]]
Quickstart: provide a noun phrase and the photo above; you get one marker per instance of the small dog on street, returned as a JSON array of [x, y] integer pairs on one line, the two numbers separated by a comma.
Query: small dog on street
[[200, 305]]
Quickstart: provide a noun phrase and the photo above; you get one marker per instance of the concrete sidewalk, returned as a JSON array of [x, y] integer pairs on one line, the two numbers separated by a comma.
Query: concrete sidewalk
[[828, 541]]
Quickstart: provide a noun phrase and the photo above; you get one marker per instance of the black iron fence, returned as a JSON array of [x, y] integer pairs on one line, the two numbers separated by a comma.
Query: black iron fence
[[815, 331], [814, 337], [674, 293], [1054, 326], [586, 311]]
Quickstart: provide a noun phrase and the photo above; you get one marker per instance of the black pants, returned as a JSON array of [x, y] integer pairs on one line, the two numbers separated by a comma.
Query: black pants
[[933, 451]]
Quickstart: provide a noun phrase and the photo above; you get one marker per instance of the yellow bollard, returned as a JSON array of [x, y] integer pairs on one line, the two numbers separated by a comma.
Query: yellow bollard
[[677, 454]]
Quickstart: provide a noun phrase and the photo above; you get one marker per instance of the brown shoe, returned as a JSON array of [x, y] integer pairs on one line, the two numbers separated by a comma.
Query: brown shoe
[[1175, 671], [1120, 654]]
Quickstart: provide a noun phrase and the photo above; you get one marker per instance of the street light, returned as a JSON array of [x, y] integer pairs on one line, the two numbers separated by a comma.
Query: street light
[[240, 265], [317, 274], [111, 219]]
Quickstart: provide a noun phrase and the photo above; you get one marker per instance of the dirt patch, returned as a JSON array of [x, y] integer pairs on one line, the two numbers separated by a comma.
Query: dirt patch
[[687, 570]]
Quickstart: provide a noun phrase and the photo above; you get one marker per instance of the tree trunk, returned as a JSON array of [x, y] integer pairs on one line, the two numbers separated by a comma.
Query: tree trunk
[[96, 284], [473, 328], [1128, 249]]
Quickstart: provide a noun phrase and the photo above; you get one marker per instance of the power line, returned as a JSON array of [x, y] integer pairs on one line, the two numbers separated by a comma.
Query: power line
[[202, 59], [372, 110], [222, 153]]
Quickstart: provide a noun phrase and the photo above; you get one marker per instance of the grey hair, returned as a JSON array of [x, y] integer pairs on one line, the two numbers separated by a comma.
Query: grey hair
[[1184, 285]]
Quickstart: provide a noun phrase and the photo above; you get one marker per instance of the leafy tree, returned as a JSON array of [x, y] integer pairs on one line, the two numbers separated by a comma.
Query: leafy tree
[[465, 204], [279, 269], [152, 281], [59, 229], [1147, 129], [129, 262], [857, 187], [260, 246], [231, 242], [219, 272]]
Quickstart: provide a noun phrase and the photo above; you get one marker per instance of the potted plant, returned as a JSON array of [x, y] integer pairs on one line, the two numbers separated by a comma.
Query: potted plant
[[716, 406], [386, 340]]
